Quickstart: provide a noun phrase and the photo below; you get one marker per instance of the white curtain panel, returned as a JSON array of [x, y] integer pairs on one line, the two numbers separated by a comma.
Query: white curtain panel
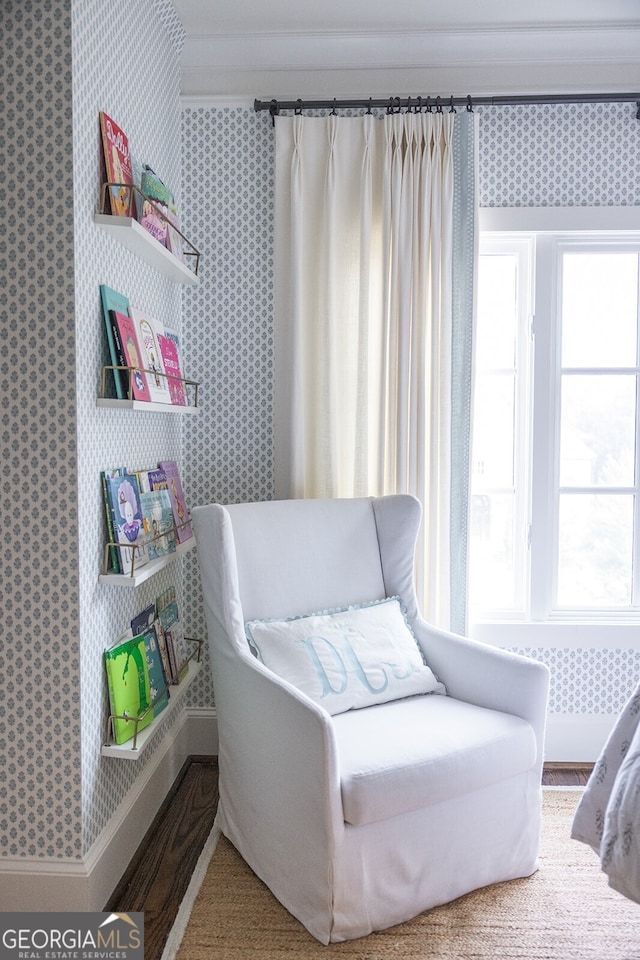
[[363, 319]]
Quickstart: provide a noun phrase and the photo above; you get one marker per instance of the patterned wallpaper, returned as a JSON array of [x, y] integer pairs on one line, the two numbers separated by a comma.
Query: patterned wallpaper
[[40, 796], [142, 94], [561, 155], [61, 65], [57, 794], [539, 155]]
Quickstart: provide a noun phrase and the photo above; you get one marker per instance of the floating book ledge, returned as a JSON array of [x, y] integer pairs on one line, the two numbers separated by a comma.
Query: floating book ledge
[[140, 572], [132, 749], [181, 268], [190, 388]]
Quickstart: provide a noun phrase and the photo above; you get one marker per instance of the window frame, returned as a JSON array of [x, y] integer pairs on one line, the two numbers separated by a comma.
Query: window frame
[[551, 232]]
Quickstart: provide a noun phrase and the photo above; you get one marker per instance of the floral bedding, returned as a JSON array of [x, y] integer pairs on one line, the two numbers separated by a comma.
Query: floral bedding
[[608, 815]]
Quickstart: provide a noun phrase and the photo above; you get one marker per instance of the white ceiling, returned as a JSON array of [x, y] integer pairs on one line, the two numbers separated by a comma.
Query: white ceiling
[[359, 48]]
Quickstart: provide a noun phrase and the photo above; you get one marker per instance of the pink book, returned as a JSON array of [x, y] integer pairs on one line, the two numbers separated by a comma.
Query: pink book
[[178, 504], [171, 362], [117, 164], [126, 344]]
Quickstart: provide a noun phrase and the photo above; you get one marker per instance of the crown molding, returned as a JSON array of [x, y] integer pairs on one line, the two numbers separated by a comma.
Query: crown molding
[[243, 64], [407, 48]]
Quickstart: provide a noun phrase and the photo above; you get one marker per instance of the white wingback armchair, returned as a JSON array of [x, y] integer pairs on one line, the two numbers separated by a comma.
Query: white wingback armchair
[[360, 819]]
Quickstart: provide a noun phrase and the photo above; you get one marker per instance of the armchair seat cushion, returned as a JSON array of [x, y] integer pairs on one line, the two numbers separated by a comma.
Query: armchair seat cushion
[[401, 756]]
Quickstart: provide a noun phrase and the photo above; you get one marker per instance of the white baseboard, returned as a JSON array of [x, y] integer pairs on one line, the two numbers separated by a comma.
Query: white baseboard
[[33, 884], [576, 737]]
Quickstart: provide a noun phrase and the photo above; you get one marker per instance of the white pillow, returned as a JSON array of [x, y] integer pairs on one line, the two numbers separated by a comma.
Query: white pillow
[[346, 659]]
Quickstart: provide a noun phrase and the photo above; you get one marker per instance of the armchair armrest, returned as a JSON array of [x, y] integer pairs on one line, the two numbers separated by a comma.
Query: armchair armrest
[[277, 747], [487, 676]]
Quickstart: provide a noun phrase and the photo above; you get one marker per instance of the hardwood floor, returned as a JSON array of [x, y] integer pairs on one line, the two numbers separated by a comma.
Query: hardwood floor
[[158, 876], [159, 873]]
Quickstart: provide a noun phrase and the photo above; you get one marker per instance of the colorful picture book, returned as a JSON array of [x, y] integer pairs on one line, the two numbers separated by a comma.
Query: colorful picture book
[[178, 502], [147, 509], [158, 684], [117, 167], [177, 646], [112, 300], [170, 351], [114, 556], [129, 686], [128, 351], [157, 521], [152, 480], [147, 329], [123, 496], [144, 621], [146, 625], [155, 205]]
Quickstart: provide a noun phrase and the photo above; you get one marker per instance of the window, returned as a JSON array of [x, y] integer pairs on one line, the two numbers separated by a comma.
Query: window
[[555, 489]]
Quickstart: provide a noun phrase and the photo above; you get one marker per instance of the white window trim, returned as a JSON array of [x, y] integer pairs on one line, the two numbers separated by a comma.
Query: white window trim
[[600, 630]]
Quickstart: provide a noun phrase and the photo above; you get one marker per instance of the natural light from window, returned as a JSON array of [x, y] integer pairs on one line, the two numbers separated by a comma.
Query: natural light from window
[[555, 501]]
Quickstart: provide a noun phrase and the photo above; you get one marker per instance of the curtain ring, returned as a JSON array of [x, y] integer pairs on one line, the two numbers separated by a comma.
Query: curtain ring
[[438, 105], [274, 110], [419, 107], [409, 105], [470, 105], [429, 107], [333, 111], [298, 110], [452, 108], [369, 107]]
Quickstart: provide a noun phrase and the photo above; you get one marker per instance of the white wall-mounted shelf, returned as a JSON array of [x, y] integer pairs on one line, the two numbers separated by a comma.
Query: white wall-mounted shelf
[[124, 750], [148, 570], [134, 236], [147, 406]]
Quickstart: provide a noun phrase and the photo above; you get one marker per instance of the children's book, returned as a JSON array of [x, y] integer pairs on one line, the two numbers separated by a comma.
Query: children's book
[[174, 238], [129, 687], [114, 557], [178, 503], [126, 516], [177, 646], [151, 480], [154, 205], [112, 300], [169, 348], [154, 220], [147, 329], [158, 480], [157, 520], [158, 682], [126, 344], [117, 165], [144, 621], [136, 169]]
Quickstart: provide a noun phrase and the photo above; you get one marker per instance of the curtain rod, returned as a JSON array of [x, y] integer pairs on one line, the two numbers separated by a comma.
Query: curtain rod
[[417, 104]]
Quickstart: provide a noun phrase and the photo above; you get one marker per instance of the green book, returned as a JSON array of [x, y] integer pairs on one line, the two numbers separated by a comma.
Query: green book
[[129, 687]]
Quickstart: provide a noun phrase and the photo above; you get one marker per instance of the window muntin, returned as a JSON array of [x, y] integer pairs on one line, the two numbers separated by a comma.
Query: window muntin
[[575, 457]]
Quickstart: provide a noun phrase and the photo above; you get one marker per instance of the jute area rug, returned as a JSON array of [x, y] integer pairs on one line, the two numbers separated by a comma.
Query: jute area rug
[[565, 911]]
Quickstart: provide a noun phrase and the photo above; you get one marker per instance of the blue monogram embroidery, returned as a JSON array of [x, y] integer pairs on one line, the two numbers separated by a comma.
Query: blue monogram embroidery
[[347, 662]]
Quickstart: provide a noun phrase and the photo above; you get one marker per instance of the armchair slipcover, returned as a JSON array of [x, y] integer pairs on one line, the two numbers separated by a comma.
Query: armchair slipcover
[[363, 819]]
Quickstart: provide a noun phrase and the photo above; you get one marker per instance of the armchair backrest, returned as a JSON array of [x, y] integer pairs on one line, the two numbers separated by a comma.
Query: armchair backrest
[[291, 557]]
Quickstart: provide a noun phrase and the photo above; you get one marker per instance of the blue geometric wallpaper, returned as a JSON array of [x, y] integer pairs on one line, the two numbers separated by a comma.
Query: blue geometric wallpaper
[[60, 63], [559, 156]]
